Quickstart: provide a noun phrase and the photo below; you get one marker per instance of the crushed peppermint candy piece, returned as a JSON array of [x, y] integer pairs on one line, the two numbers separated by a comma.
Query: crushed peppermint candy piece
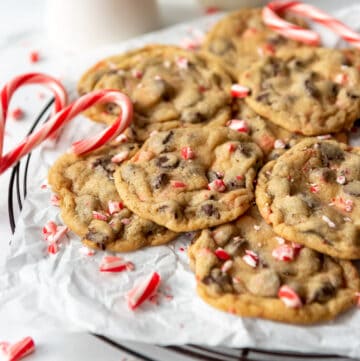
[[190, 43], [211, 10], [341, 78], [17, 114], [57, 236], [115, 264], [122, 138], [231, 147], [346, 205], [290, 298], [251, 258], [239, 125], [99, 216], [143, 290], [284, 253], [53, 248], [227, 265], [177, 184], [136, 74], [120, 157], [115, 207], [34, 56], [324, 137], [239, 91], [187, 153], [86, 251], [280, 240], [341, 179], [314, 188], [182, 62], [217, 185], [222, 254], [49, 228], [55, 200], [327, 220], [279, 144], [266, 49], [18, 350]]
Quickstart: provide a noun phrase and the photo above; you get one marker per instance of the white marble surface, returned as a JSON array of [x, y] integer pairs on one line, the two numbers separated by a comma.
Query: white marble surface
[[21, 31]]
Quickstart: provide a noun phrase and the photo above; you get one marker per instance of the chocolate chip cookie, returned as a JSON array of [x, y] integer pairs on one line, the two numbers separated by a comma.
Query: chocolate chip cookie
[[91, 206], [246, 269], [310, 91], [190, 179], [169, 86], [311, 195], [241, 38]]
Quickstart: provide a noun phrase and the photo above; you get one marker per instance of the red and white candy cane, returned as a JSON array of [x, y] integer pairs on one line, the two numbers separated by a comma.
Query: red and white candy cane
[[66, 115], [289, 30], [26, 79]]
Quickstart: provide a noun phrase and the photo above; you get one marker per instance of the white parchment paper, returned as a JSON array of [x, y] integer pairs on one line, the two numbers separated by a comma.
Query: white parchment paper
[[66, 290]]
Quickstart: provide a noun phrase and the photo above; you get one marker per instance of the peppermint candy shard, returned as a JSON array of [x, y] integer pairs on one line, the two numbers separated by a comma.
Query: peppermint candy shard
[[115, 264], [290, 298], [143, 290], [239, 125], [239, 91], [217, 185], [284, 253], [20, 349], [115, 207], [222, 254], [251, 258], [187, 153]]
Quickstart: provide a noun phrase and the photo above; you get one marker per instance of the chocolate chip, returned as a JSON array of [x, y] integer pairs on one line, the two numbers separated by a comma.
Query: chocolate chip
[[311, 88], [330, 152], [210, 210], [97, 237], [160, 181], [353, 188], [321, 293], [169, 161], [245, 149], [235, 245], [168, 137], [276, 40], [352, 95], [105, 164], [263, 98], [192, 116], [111, 108], [328, 175]]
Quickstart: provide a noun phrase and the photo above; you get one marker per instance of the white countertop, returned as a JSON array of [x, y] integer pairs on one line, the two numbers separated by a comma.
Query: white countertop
[[21, 31]]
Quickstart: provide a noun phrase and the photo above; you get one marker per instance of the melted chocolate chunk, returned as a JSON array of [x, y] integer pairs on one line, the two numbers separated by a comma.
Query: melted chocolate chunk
[[168, 137], [321, 293], [210, 210], [311, 88], [169, 161], [160, 181], [98, 238], [263, 98], [330, 152], [105, 164], [352, 95]]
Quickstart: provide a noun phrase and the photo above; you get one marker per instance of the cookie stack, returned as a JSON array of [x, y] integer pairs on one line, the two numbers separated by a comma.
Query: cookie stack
[[267, 182]]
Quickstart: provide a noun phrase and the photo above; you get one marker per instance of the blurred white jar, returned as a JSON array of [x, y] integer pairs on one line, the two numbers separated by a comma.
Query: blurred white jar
[[232, 4], [77, 25]]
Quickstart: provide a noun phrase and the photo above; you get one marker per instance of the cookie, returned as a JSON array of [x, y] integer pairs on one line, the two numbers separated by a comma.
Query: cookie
[[91, 207], [190, 179], [241, 38], [246, 269], [272, 139], [170, 87], [310, 91], [311, 195]]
